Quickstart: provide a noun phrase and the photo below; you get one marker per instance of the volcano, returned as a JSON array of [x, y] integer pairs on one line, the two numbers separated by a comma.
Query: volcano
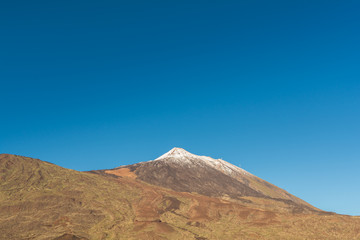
[[183, 171], [178, 196]]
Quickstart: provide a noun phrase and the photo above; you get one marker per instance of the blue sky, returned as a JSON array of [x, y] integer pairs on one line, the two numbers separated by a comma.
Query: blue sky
[[271, 86]]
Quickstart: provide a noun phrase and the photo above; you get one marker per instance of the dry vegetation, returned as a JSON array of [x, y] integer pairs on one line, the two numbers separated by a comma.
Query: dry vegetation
[[39, 200]]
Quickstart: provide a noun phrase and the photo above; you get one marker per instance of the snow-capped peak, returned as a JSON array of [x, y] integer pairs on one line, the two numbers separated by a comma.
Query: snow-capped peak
[[182, 156], [177, 153]]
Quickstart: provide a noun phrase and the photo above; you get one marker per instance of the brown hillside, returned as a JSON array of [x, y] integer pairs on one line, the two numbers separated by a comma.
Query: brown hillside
[[39, 200]]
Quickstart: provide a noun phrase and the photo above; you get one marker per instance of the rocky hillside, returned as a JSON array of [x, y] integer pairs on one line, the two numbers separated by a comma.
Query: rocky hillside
[[39, 200], [182, 171]]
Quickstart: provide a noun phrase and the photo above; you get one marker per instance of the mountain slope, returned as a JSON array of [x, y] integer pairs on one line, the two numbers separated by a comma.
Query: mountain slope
[[182, 171], [39, 200]]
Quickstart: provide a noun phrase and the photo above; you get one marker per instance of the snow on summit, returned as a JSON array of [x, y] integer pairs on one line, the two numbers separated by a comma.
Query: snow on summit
[[177, 153], [181, 156]]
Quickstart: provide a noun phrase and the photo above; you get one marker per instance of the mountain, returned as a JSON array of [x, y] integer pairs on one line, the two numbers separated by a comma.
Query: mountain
[[40, 200], [183, 171]]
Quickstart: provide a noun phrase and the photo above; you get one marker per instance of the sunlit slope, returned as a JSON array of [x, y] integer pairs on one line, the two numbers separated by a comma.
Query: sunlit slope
[[39, 200], [183, 171], [42, 200]]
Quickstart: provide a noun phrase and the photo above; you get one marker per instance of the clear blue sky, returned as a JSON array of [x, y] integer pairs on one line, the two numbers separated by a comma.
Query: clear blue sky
[[271, 86]]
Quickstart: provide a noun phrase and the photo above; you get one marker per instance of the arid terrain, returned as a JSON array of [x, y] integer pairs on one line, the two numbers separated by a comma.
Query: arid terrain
[[40, 200]]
